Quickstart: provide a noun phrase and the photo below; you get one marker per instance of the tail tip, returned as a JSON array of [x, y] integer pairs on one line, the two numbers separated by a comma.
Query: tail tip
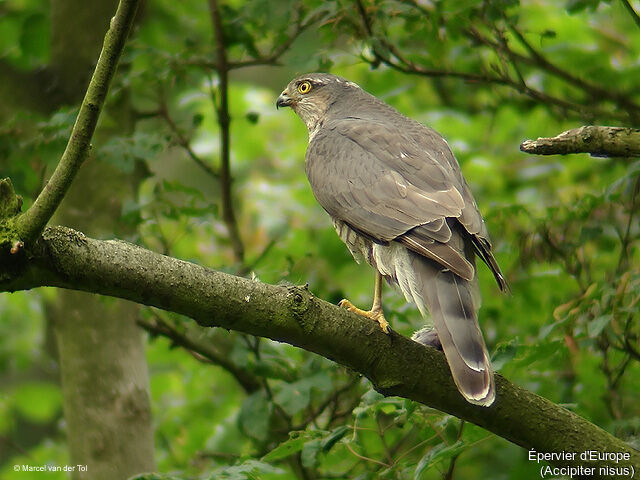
[[482, 400]]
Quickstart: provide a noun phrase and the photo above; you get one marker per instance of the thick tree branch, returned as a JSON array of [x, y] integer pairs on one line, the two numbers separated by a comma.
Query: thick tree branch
[[598, 141], [30, 224], [394, 364]]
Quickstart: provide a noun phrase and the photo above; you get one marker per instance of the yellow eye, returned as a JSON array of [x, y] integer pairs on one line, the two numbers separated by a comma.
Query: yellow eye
[[304, 87]]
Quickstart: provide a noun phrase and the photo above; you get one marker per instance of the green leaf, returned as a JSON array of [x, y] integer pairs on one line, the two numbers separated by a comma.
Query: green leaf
[[34, 38], [154, 476], [252, 117], [438, 453], [335, 436], [255, 415], [426, 460], [545, 330], [589, 232], [295, 443], [309, 456], [505, 352], [388, 408], [197, 119], [123, 152], [575, 6], [38, 401], [595, 327], [293, 397], [371, 397], [247, 470]]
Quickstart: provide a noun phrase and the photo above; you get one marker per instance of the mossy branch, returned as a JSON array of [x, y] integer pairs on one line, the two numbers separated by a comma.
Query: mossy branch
[[394, 364], [30, 224], [598, 141]]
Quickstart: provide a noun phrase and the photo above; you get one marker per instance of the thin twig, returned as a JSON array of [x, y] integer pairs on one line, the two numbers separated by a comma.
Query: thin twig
[[623, 261], [265, 251], [222, 110], [32, 222], [265, 384], [409, 67], [271, 58], [632, 12], [452, 463], [538, 60], [383, 441], [335, 396], [366, 459], [163, 112], [414, 448]]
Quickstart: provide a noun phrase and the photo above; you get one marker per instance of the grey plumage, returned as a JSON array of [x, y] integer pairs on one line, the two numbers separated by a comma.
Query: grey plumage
[[398, 199]]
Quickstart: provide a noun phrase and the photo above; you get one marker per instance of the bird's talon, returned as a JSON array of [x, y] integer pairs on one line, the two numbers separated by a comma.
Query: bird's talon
[[375, 314], [384, 325]]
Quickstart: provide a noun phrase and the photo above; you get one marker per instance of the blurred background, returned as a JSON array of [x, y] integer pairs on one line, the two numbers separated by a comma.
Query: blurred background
[[191, 159]]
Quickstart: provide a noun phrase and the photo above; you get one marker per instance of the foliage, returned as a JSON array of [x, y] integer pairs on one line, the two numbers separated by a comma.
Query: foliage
[[484, 74]]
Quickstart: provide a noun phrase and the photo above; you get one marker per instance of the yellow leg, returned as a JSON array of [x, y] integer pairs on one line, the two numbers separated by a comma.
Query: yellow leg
[[375, 313]]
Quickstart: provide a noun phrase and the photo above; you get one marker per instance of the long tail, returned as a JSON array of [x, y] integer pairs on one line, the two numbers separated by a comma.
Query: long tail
[[453, 304]]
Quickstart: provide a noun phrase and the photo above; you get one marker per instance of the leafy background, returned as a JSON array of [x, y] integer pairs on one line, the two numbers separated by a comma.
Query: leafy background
[[486, 75]]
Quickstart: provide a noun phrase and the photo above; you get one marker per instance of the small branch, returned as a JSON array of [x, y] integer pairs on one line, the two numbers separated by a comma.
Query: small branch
[[224, 120], [163, 112], [537, 60], [204, 349], [33, 221], [404, 65], [253, 264], [452, 463], [366, 23], [632, 12], [271, 58], [366, 459], [598, 141], [625, 240]]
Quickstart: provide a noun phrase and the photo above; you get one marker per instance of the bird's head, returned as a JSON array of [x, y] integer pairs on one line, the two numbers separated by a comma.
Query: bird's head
[[311, 95]]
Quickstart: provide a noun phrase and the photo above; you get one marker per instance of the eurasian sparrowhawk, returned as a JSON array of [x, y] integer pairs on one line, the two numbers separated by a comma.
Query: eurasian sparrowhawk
[[398, 199]]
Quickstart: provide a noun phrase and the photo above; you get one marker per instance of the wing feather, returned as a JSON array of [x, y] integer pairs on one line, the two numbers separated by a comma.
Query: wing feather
[[395, 184]]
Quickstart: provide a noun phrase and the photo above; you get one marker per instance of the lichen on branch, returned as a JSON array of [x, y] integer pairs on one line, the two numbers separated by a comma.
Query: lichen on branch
[[598, 141]]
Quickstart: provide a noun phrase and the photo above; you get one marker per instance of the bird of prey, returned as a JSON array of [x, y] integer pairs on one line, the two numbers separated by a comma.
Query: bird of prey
[[398, 200]]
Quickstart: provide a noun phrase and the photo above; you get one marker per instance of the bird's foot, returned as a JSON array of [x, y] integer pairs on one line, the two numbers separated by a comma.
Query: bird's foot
[[374, 314]]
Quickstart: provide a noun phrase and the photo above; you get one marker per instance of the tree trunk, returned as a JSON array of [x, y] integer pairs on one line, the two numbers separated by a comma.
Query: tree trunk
[[105, 386], [104, 373]]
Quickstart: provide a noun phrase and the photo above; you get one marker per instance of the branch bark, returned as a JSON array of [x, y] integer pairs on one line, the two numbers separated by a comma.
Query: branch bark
[[394, 364], [598, 141], [30, 224]]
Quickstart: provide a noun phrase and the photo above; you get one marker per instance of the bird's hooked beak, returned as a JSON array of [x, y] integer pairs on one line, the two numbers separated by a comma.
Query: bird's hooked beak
[[284, 100]]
